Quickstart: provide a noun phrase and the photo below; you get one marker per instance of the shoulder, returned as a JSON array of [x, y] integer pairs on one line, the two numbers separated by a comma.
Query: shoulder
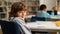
[[39, 12], [15, 19]]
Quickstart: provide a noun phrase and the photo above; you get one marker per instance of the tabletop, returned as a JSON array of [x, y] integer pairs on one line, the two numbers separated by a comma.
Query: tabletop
[[43, 26]]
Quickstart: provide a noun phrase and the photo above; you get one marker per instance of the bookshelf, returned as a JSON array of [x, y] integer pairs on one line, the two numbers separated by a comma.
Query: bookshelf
[[31, 4], [3, 10]]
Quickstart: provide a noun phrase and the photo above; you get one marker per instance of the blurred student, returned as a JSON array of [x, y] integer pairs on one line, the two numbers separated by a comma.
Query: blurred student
[[17, 15], [54, 11], [42, 12]]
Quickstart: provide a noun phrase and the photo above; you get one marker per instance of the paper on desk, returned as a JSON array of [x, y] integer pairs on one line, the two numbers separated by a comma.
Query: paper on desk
[[43, 24], [48, 24], [35, 25]]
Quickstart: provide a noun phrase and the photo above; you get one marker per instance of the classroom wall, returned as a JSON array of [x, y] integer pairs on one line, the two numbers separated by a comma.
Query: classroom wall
[[13, 0], [49, 3]]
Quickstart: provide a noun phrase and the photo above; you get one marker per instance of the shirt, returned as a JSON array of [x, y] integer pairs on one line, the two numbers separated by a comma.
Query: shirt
[[43, 14], [21, 23]]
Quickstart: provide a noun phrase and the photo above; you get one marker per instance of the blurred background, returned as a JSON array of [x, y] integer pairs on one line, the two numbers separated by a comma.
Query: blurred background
[[31, 4]]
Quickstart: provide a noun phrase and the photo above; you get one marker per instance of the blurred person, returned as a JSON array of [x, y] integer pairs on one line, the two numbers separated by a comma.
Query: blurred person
[[42, 12], [17, 15], [54, 11]]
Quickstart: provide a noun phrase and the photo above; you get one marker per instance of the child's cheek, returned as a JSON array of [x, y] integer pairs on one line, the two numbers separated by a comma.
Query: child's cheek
[[24, 15]]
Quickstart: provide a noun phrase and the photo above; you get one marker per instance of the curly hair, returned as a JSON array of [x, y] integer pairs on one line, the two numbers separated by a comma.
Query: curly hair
[[16, 7]]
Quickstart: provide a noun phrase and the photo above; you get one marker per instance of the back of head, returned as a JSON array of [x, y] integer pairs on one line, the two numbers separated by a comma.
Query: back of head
[[42, 7], [55, 8]]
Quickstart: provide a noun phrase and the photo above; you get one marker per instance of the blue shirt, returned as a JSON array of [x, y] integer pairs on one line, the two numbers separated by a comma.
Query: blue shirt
[[43, 14], [52, 14]]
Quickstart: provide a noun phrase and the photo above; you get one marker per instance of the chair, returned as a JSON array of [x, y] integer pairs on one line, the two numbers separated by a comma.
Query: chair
[[9, 27], [38, 19]]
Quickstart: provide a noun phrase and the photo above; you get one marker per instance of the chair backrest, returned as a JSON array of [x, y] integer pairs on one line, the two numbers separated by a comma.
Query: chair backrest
[[38, 19], [9, 27]]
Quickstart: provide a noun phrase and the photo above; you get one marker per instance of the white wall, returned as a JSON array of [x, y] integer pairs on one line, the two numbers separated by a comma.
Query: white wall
[[49, 3], [42, 2]]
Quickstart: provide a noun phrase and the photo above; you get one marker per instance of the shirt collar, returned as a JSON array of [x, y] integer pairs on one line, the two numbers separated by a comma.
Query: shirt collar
[[16, 17]]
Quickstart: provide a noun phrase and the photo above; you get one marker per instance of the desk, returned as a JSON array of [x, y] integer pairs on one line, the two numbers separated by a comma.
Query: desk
[[46, 26], [29, 16], [56, 17]]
